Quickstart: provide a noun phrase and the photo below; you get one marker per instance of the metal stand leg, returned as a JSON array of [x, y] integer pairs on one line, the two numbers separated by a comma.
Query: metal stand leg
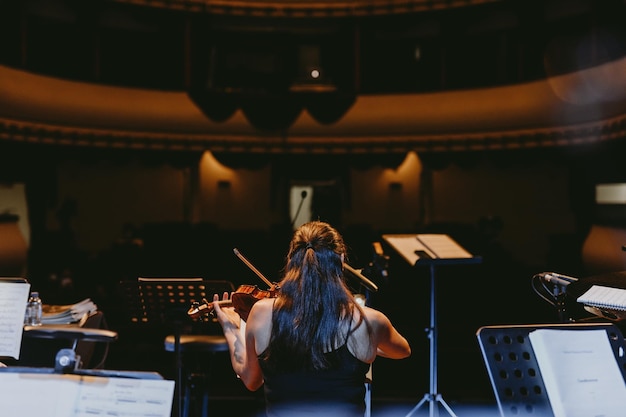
[[433, 397], [559, 295], [368, 398], [179, 375]]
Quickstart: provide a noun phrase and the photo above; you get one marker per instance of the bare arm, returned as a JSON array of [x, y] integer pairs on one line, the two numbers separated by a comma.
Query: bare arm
[[390, 343], [240, 345]]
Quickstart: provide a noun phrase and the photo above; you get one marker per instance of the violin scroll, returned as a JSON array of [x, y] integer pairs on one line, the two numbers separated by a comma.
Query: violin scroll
[[242, 300], [200, 309]]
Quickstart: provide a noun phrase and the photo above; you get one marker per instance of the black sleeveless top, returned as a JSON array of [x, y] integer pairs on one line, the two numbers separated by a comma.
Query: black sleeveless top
[[337, 391]]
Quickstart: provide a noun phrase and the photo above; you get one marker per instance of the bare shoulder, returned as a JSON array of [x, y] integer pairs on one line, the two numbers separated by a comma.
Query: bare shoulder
[[262, 310], [259, 324], [390, 343], [376, 318]]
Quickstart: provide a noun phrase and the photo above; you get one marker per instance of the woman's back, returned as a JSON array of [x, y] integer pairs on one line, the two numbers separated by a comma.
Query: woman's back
[[311, 346], [338, 390]]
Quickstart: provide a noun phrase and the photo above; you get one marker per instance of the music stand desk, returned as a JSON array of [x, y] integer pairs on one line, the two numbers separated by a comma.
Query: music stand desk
[[431, 250], [167, 301], [70, 332], [111, 373], [513, 368]]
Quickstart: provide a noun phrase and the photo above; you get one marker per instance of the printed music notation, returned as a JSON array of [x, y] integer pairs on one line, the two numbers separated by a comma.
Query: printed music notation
[[68, 395], [414, 248], [13, 298]]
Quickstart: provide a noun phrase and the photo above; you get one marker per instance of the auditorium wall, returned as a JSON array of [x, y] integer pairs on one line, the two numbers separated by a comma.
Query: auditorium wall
[[523, 205]]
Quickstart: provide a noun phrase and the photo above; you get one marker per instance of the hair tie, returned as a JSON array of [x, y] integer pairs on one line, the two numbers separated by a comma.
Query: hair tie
[[309, 246]]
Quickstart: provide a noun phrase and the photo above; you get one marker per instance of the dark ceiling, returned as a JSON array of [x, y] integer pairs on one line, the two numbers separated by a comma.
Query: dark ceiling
[[414, 47]]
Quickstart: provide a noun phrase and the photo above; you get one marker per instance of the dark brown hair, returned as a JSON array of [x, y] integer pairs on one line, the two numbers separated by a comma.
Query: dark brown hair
[[314, 310]]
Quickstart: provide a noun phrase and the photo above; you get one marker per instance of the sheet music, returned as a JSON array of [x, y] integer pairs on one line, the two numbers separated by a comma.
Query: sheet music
[[66, 314], [443, 246], [414, 247], [124, 397], [13, 298], [68, 395], [580, 372], [407, 245]]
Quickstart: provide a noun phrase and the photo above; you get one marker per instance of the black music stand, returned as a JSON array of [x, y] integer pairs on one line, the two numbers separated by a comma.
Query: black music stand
[[513, 368], [167, 301], [431, 250], [67, 360]]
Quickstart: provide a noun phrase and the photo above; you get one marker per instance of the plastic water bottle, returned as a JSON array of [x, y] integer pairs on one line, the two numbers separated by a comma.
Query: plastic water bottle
[[34, 310]]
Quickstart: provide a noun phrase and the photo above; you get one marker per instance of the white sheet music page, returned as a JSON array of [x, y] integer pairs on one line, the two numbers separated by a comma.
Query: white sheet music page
[[124, 397], [580, 372], [407, 245], [443, 246], [13, 298], [68, 395]]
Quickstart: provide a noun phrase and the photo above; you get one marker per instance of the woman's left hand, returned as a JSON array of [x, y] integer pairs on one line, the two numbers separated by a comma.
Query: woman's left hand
[[226, 316]]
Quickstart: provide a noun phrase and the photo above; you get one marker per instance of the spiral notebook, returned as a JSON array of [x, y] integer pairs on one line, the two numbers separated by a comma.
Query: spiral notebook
[[604, 297]]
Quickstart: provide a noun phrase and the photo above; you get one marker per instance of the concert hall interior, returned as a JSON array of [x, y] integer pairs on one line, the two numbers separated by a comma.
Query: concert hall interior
[[150, 138]]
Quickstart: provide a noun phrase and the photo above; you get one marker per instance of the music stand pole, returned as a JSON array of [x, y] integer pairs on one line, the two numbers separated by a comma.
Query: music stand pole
[[166, 301], [179, 372], [433, 397], [431, 250]]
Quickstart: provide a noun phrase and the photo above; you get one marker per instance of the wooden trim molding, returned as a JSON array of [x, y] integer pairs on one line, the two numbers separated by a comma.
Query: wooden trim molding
[[581, 108], [305, 8]]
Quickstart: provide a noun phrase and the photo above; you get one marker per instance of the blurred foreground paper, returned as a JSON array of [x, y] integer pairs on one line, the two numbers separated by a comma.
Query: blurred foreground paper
[[69, 395]]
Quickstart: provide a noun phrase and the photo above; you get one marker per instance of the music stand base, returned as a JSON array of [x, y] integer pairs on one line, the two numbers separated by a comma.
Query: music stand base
[[433, 399]]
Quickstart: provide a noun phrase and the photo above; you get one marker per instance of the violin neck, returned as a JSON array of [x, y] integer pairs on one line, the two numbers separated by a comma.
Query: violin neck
[[206, 308], [224, 303], [208, 305]]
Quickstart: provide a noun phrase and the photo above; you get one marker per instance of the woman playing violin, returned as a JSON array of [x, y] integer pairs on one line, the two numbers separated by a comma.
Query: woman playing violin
[[311, 346]]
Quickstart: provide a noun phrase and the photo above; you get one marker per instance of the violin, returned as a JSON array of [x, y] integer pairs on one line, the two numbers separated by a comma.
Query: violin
[[242, 299]]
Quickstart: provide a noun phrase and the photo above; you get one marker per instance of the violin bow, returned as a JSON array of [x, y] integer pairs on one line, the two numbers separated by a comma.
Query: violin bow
[[252, 267]]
